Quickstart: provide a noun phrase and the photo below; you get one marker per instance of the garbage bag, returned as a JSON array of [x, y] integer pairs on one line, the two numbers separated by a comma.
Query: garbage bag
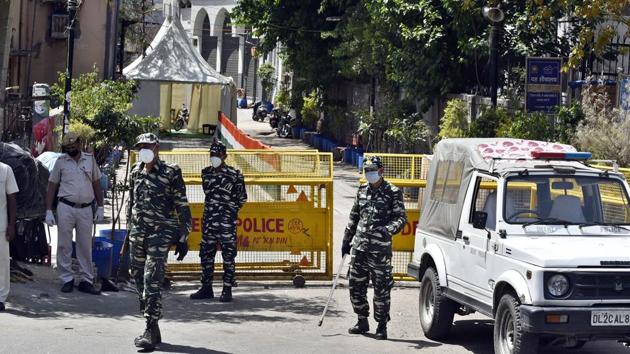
[[31, 197]]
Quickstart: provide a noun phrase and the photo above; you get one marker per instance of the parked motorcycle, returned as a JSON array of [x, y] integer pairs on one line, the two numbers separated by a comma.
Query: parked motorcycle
[[274, 118], [285, 126], [261, 110], [182, 118]]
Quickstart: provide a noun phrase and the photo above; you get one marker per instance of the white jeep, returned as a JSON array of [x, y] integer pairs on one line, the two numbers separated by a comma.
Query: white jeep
[[526, 233]]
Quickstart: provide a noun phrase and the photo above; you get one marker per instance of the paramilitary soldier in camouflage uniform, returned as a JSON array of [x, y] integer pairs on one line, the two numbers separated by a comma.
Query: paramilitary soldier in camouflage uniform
[[378, 214], [225, 195], [159, 216]]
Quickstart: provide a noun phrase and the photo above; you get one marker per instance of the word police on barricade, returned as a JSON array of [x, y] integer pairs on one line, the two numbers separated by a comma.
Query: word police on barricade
[[284, 230]]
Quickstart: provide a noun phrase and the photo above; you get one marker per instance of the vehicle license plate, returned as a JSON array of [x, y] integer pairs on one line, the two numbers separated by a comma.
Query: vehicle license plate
[[610, 318]]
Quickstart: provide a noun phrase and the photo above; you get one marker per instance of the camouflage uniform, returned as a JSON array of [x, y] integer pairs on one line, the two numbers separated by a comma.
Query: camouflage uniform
[[225, 195], [377, 214], [159, 214]]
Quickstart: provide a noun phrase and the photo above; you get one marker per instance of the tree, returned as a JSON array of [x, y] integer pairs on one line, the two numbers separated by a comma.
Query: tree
[[103, 106], [266, 74], [301, 28]]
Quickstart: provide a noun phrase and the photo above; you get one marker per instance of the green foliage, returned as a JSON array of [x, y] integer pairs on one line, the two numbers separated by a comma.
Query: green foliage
[[410, 131], [99, 111], [91, 96], [413, 44], [310, 110], [569, 118], [487, 123], [84, 131], [454, 124], [338, 122], [534, 126], [266, 74], [283, 99], [122, 128], [300, 26]]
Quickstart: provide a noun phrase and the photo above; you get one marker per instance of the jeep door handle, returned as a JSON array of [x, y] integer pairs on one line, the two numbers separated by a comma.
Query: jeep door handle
[[466, 238]]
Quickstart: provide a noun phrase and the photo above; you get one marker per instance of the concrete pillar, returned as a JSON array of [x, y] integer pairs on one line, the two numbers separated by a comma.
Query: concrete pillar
[[241, 61], [219, 50], [6, 7]]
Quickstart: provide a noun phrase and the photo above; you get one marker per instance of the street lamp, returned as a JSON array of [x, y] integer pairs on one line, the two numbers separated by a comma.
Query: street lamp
[[495, 16], [72, 11]]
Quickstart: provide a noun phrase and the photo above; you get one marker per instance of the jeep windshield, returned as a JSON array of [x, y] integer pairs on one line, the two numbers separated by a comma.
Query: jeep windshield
[[553, 199]]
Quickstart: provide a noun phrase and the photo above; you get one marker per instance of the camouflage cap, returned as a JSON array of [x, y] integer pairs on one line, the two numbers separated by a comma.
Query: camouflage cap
[[146, 138], [217, 148], [69, 138], [373, 164]]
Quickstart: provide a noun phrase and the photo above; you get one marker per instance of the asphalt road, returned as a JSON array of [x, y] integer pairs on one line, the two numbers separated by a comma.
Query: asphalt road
[[265, 317]]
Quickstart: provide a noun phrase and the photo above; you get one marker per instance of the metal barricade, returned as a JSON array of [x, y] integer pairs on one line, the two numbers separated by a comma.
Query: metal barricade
[[284, 229]]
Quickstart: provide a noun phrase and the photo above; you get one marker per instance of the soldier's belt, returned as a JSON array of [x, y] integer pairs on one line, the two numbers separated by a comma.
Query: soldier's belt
[[75, 205]]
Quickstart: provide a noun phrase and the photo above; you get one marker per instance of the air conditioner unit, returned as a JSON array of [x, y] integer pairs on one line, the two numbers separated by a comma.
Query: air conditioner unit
[[58, 26]]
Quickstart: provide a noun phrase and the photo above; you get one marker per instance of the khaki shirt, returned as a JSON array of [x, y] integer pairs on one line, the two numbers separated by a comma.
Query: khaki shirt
[[75, 178]]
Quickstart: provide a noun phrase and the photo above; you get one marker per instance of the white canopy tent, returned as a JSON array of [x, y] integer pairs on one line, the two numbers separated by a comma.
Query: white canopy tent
[[174, 71]]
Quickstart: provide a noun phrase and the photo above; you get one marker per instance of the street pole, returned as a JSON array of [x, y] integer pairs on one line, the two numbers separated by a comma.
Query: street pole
[[494, 65], [72, 11], [495, 15]]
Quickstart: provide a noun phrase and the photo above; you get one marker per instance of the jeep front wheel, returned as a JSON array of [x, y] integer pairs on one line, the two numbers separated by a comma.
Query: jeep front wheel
[[509, 336], [436, 310]]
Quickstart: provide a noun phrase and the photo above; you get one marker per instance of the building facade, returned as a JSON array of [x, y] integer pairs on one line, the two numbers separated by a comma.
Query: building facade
[[228, 48], [37, 39]]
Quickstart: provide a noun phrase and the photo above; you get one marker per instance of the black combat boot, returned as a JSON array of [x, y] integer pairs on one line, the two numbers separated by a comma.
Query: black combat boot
[[226, 294], [205, 292], [361, 327], [151, 336], [381, 331]]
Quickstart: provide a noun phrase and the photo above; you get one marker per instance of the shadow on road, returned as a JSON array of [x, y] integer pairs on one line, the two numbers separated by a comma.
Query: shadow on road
[[248, 307], [474, 335], [417, 343], [175, 348], [42, 299]]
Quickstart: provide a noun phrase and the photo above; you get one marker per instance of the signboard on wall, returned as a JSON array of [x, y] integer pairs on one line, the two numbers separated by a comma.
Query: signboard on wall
[[543, 86]]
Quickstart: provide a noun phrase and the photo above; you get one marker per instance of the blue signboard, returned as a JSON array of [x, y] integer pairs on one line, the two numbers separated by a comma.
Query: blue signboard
[[544, 84], [542, 101], [544, 71]]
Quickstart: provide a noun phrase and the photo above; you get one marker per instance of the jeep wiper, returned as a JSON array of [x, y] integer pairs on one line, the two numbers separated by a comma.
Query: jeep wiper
[[547, 221], [587, 224]]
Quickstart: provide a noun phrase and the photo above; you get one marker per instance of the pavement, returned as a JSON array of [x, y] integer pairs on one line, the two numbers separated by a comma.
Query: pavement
[[265, 317]]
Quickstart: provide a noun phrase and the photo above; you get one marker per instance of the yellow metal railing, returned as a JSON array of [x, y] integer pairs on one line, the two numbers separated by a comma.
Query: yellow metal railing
[[285, 229]]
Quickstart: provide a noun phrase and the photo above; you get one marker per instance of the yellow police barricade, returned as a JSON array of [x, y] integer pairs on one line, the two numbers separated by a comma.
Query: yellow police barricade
[[284, 231]]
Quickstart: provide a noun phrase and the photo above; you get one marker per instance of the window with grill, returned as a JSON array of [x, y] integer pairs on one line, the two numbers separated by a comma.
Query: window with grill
[[58, 26]]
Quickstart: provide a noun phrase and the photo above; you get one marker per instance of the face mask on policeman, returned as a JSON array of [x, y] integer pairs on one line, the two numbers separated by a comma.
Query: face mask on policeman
[[72, 150], [373, 177], [146, 153]]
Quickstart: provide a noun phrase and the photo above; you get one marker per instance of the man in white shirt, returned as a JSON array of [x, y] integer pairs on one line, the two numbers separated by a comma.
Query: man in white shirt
[[8, 207]]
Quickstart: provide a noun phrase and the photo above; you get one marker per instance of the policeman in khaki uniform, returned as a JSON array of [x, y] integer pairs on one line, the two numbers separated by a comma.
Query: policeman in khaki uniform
[[378, 214], [78, 179], [158, 216], [225, 192]]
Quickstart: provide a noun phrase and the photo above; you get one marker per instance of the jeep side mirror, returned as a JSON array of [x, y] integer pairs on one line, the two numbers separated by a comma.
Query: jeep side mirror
[[479, 220]]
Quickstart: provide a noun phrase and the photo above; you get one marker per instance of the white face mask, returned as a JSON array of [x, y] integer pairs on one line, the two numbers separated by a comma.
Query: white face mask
[[146, 155], [216, 161], [372, 177]]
